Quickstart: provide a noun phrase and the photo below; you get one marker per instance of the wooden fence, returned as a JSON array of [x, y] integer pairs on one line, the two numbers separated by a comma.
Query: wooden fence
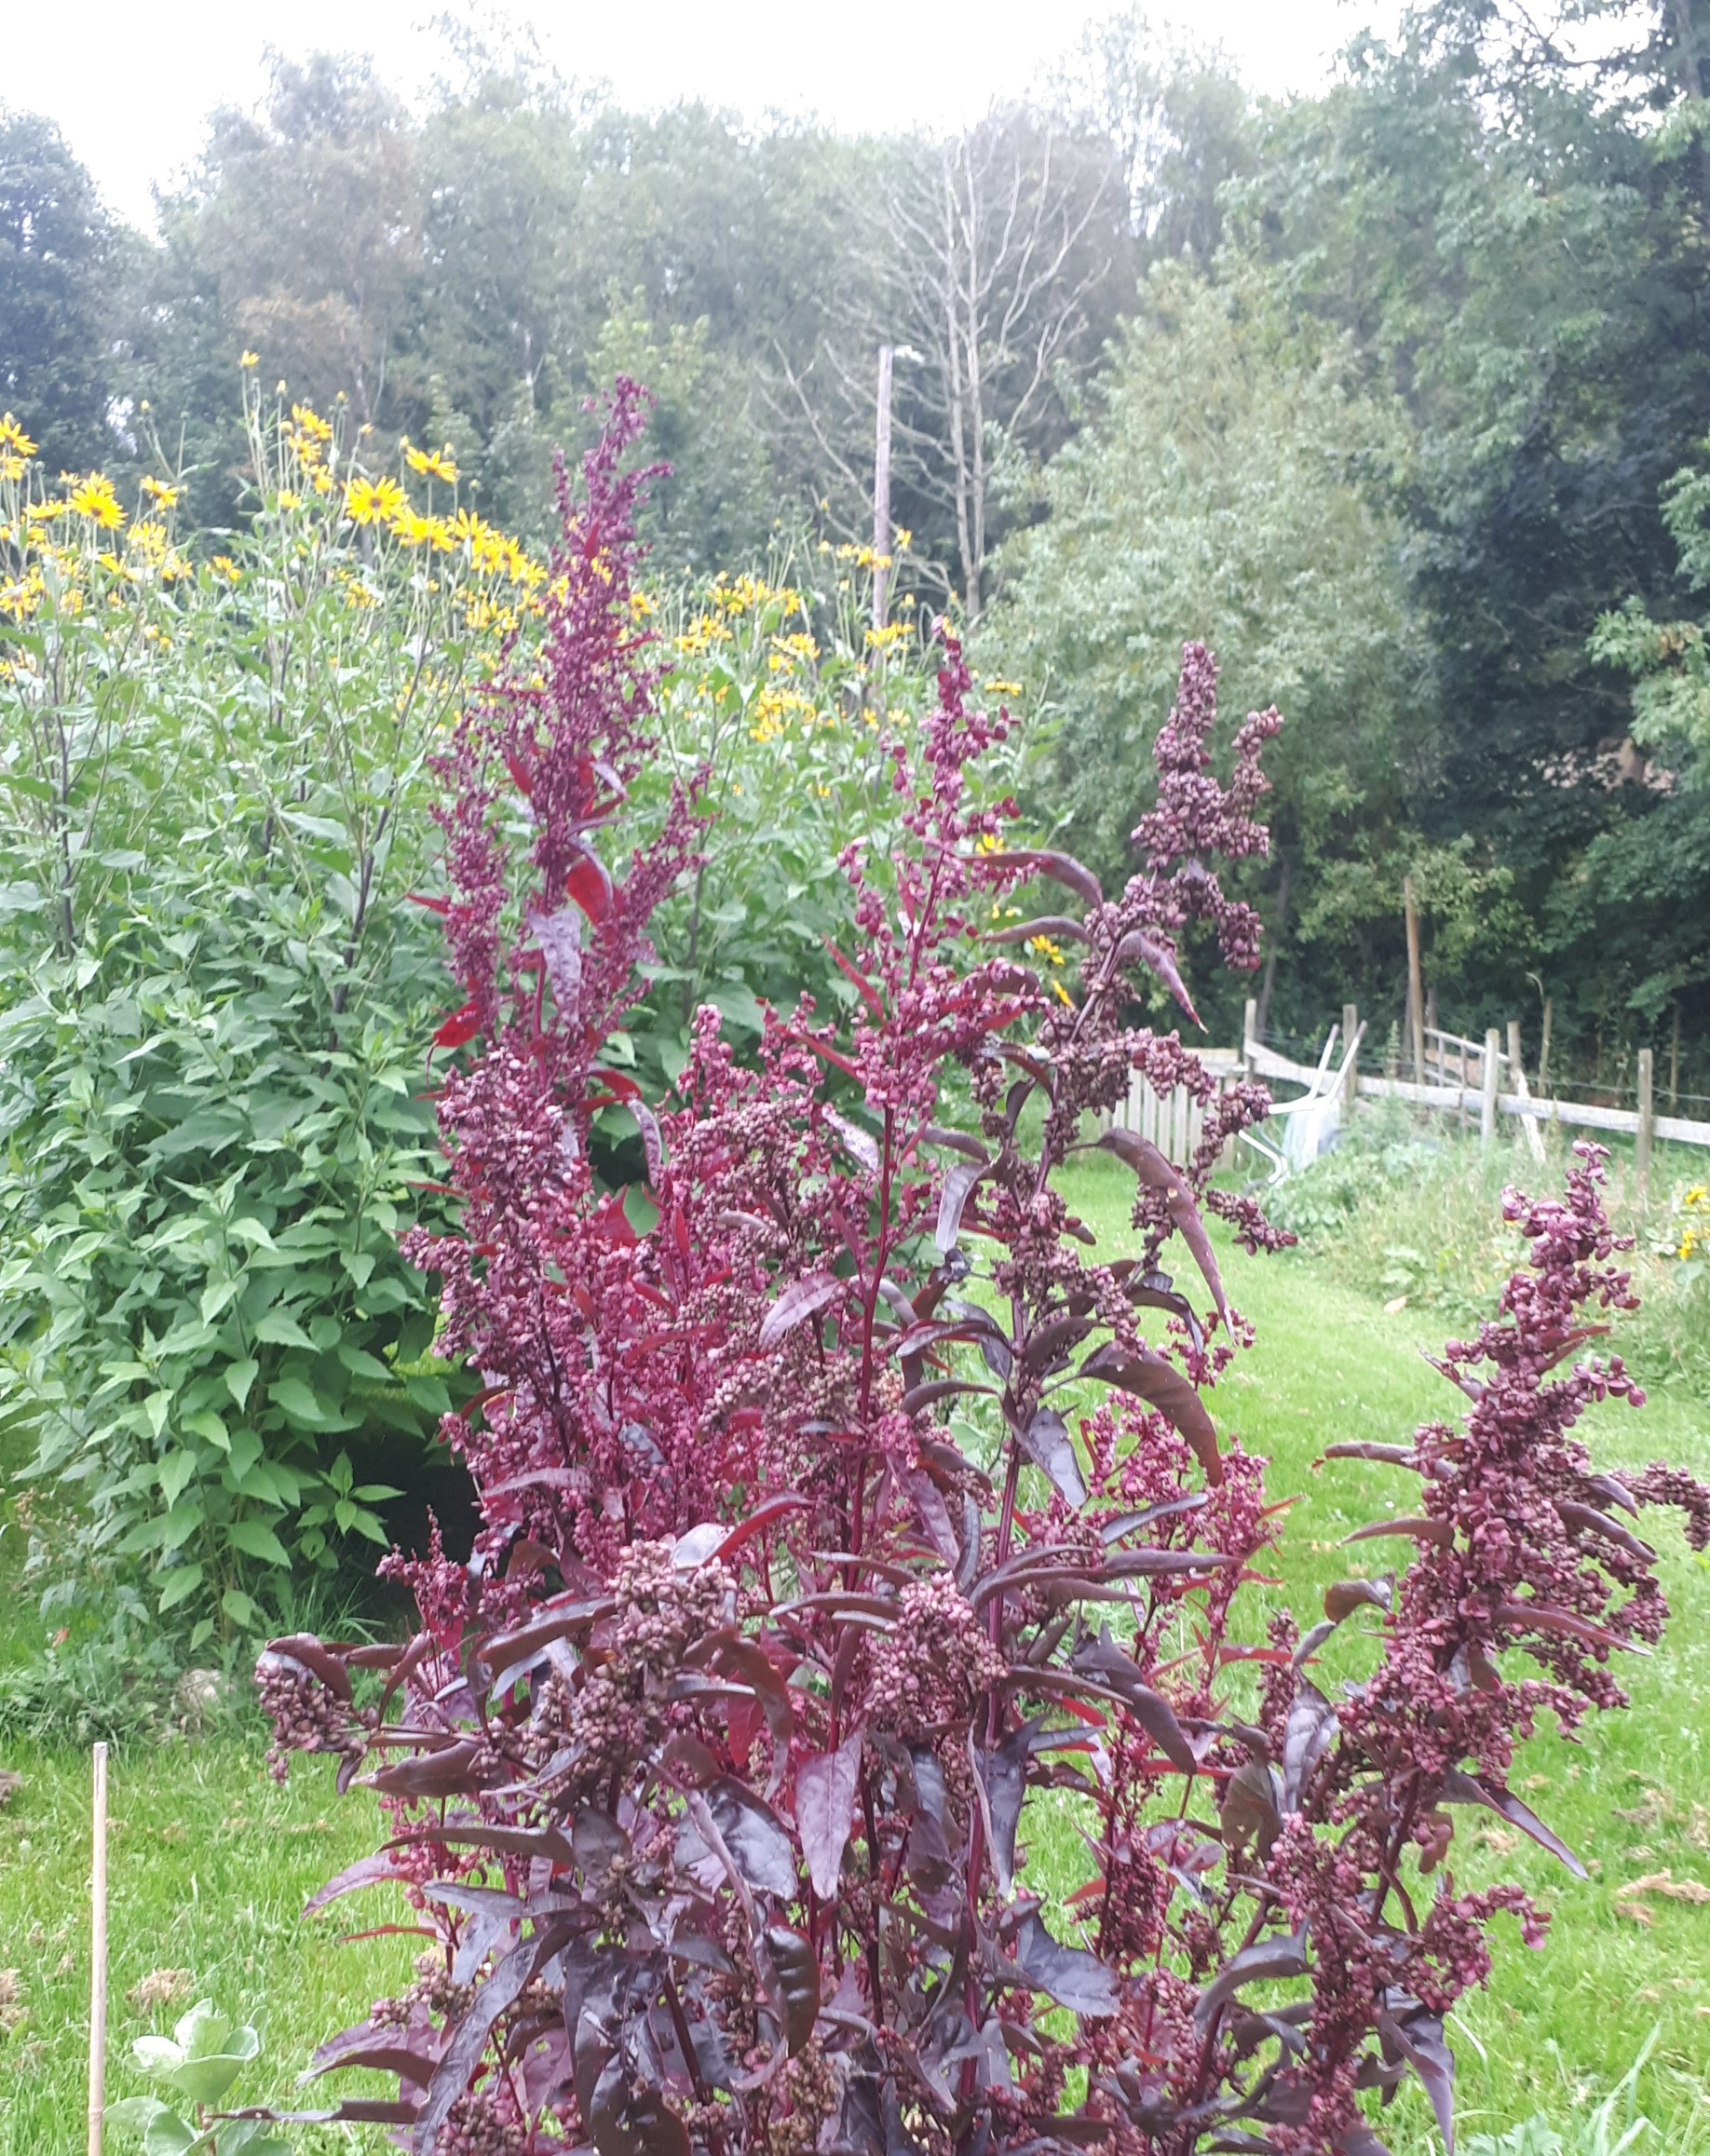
[[1472, 1080]]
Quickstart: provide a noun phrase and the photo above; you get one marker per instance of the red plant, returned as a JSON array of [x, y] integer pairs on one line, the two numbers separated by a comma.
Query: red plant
[[842, 1508]]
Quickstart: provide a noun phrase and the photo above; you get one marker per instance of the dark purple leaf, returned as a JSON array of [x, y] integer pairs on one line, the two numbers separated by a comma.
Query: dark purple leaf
[[1047, 1444], [793, 1970], [1347, 1595], [1060, 867], [1461, 1788], [1306, 1735], [1155, 1171], [825, 1786], [468, 2039], [756, 1838], [1104, 1660], [1249, 1811], [1058, 927], [1264, 1961], [625, 2120], [1440, 1532], [1154, 953], [368, 1871], [1003, 1783], [1590, 1521], [958, 1186], [1068, 1975], [1419, 2041], [308, 1652], [919, 1397], [558, 937], [1390, 1455], [800, 1300], [1162, 1385]]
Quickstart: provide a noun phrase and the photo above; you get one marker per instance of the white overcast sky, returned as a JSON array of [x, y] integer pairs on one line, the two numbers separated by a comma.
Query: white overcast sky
[[130, 86]]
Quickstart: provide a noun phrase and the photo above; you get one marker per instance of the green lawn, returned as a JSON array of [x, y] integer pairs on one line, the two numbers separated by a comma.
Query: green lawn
[[213, 1862]]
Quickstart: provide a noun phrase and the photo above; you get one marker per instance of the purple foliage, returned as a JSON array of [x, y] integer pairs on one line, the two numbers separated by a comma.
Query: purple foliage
[[843, 1505]]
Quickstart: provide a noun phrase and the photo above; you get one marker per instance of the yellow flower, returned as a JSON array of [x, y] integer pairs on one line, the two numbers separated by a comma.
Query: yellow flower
[[11, 465], [13, 436], [310, 423], [94, 499], [223, 566], [287, 500], [1046, 949], [373, 501], [1002, 688], [1063, 995], [158, 491], [905, 540], [432, 462], [641, 606], [250, 360], [412, 530]]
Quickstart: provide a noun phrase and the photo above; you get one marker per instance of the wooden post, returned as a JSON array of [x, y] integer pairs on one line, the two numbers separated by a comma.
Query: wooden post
[[1517, 1070], [881, 489], [1543, 1051], [97, 1957], [1249, 1031], [1647, 1116], [1674, 1064], [1415, 993], [1351, 1032], [1486, 1120]]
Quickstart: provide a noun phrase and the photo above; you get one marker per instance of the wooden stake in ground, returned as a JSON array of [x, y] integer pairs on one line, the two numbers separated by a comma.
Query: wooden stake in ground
[[1415, 993], [1647, 1116], [97, 1957]]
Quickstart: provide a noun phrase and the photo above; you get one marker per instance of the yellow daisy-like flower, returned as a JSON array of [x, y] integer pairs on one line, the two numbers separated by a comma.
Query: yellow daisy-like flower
[[408, 528], [904, 541], [310, 423], [432, 462], [158, 490], [287, 500], [223, 566], [94, 499], [44, 512], [250, 361], [13, 436], [373, 501], [11, 465]]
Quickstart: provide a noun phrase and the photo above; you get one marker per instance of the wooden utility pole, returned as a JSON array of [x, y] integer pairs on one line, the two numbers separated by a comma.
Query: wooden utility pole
[[1415, 993], [1543, 1051], [1647, 1116], [97, 1955], [881, 490]]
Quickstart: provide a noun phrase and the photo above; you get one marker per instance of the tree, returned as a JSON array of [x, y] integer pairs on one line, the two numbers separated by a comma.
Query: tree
[[996, 264], [1221, 492], [60, 262]]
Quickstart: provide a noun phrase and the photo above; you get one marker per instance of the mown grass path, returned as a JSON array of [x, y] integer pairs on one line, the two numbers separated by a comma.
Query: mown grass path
[[213, 1862]]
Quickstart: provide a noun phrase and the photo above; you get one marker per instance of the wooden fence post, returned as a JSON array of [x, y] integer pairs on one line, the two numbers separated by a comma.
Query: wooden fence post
[[1543, 1050], [1492, 1072], [1415, 995], [1350, 1031], [1249, 1031], [1517, 1070], [1647, 1116]]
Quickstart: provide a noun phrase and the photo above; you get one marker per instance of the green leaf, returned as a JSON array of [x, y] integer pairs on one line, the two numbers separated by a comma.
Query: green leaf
[[240, 1376], [178, 1586], [158, 1406], [176, 1472], [280, 1329], [239, 1609], [167, 2134], [215, 1297], [205, 1423], [300, 1400], [255, 1539], [135, 2114]]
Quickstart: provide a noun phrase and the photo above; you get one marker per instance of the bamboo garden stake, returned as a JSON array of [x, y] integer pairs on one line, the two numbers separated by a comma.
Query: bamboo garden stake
[[97, 1957]]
